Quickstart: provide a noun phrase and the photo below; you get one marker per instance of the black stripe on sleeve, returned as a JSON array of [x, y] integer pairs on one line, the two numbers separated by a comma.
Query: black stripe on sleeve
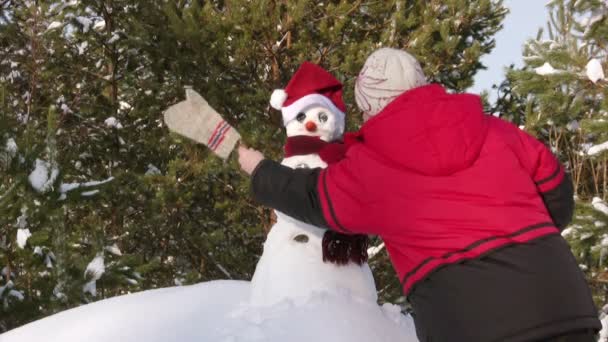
[[331, 206]]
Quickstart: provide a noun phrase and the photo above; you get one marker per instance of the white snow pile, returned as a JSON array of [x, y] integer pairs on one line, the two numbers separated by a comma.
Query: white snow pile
[[95, 269], [546, 69], [43, 176], [219, 311], [594, 70], [113, 122], [599, 205]]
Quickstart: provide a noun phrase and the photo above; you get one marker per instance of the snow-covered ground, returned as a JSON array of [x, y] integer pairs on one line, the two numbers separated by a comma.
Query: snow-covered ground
[[220, 311]]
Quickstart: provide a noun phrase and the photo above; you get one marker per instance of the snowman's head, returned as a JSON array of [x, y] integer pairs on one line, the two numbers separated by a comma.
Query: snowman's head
[[311, 104], [317, 121]]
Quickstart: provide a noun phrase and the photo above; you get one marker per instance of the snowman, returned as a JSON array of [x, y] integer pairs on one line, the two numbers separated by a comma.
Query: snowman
[[300, 259]]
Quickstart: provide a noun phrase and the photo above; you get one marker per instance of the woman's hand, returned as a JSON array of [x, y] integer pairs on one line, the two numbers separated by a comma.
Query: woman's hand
[[249, 159]]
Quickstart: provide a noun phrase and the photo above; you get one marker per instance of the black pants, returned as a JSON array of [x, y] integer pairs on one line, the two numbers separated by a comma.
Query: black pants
[[582, 336]]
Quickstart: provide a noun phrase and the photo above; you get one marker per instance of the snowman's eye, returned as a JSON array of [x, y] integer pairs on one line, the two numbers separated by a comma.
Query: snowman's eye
[[301, 238], [322, 116], [301, 116]]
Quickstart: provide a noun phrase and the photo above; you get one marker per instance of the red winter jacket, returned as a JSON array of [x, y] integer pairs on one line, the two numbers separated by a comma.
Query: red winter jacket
[[440, 182]]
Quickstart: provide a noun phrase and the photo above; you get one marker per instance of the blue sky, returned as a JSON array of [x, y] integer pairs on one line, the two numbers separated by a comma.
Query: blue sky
[[523, 22]]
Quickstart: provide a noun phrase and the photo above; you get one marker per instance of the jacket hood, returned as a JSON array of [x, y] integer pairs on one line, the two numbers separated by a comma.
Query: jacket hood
[[428, 130]]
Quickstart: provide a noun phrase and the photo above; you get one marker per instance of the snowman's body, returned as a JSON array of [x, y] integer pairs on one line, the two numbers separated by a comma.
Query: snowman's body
[[292, 265]]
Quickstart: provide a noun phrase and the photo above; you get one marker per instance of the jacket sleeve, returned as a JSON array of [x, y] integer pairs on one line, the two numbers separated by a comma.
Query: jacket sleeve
[[290, 191], [330, 198], [553, 183]]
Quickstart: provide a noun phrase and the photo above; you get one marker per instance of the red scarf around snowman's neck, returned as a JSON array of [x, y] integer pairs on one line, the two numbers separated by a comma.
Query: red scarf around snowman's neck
[[328, 152]]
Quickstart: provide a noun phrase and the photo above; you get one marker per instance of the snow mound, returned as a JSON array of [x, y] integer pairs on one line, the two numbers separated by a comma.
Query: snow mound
[[219, 311]]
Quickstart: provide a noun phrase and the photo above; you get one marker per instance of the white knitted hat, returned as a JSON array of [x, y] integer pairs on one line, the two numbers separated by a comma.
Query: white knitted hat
[[386, 74]]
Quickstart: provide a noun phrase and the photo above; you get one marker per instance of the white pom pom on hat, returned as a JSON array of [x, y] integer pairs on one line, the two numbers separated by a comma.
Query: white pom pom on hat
[[278, 98]]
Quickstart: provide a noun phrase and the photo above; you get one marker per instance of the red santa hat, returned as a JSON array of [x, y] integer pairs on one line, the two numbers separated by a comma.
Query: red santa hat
[[310, 86]]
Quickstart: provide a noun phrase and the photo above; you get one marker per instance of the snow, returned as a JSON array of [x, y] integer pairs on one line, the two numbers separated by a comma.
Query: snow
[[373, 251], [43, 176], [99, 25], [54, 25], [112, 122], [113, 249], [114, 38], [49, 259], [22, 236], [573, 126], [11, 147], [85, 22], [546, 69], [16, 294], [567, 232], [65, 108], [603, 335], [599, 205], [82, 47], [589, 21], [152, 170], [219, 311], [89, 193], [596, 149], [124, 105], [67, 187], [95, 269], [594, 70]]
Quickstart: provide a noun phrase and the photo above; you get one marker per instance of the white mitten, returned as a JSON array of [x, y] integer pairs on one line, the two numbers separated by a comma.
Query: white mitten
[[196, 120]]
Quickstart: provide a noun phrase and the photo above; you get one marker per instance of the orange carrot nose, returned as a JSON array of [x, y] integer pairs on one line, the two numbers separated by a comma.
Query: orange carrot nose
[[311, 126]]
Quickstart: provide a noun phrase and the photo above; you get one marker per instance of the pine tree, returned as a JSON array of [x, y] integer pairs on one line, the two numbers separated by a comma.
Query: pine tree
[[114, 203], [563, 93]]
